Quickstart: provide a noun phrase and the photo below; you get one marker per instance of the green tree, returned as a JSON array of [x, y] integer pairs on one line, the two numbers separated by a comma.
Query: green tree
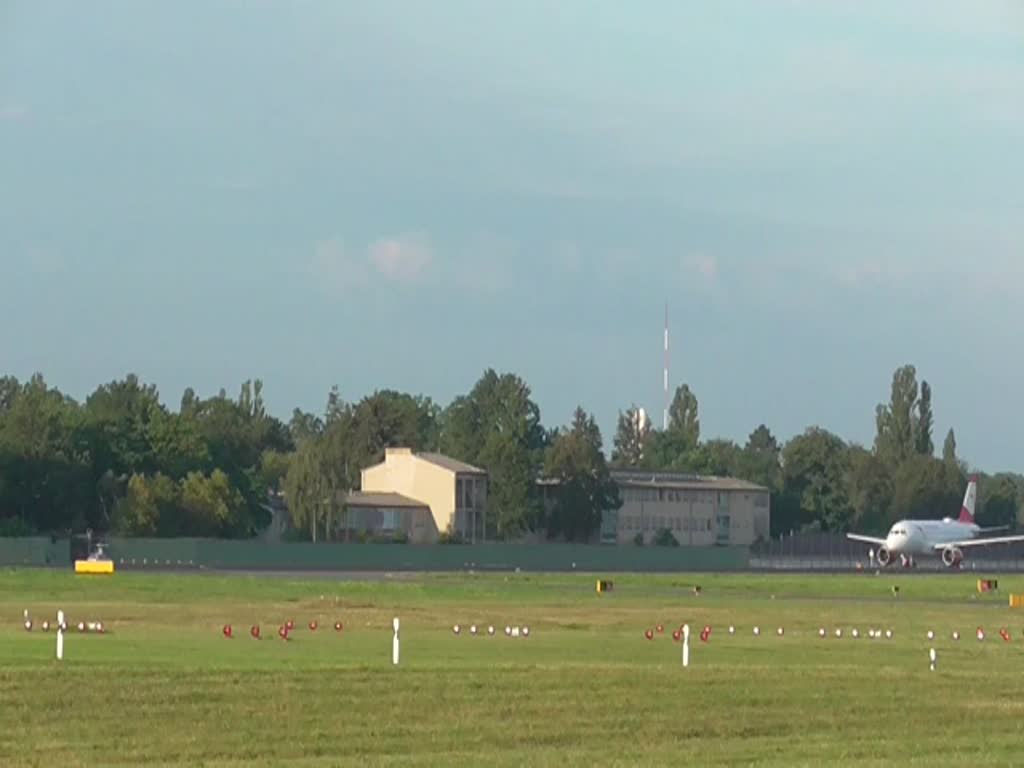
[[48, 484], [304, 426], [273, 469], [497, 426], [870, 490], [632, 438], [717, 458], [212, 506], [759, 460], [924, 422], [387, 419], [949, 449], [814, 471], [1000, 501], [585, 490], [926, 488], [684, 418], [150, 507], [894, 440]]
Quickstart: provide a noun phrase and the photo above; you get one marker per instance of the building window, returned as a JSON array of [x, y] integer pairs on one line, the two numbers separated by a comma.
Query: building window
[[391, 519]]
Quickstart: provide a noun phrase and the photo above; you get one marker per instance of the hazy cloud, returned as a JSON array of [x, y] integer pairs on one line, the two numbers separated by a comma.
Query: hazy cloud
[[702, 264], [403, 258]]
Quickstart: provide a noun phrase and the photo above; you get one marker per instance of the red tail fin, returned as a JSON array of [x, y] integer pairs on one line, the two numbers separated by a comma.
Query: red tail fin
[[970, 497]]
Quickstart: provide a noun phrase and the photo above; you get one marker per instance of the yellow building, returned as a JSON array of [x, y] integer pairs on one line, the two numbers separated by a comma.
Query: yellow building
[[420, 495]]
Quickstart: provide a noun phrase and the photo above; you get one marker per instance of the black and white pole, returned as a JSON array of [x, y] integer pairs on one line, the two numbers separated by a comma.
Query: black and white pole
[[394, 644], [686, 645], [60, 635]]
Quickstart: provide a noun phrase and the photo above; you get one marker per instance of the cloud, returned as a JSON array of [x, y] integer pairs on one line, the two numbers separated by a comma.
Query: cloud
[[704, 265], [404, 258]]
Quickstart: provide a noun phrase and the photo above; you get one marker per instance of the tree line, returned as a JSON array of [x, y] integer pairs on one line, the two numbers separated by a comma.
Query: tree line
[[121, 462]]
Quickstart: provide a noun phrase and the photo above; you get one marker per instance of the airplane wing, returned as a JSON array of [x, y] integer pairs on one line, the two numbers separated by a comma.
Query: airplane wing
[[865, 539], [979, 542]]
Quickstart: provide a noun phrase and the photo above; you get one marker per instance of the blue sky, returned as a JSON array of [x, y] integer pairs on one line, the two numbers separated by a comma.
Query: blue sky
[[401, 194]]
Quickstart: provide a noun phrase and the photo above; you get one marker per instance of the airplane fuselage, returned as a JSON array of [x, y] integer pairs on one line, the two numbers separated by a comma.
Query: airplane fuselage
[[920, 537]]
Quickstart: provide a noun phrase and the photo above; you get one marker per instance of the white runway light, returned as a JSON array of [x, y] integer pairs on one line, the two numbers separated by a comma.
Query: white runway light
[[490, 630], [757, 630], [61, 626], [732, 630], [888, 634], [686, 645], [956, 635], [456, 629], [472, 629], [394, 643], [931, 635]]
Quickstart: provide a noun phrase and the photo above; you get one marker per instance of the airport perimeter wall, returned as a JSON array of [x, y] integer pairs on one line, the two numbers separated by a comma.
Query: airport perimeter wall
[[151, 554]]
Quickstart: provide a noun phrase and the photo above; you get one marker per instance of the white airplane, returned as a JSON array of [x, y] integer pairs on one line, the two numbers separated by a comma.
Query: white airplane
[[947, 537]]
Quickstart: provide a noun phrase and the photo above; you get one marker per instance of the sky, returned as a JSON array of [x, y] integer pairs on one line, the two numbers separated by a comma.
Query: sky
[[389, 194]]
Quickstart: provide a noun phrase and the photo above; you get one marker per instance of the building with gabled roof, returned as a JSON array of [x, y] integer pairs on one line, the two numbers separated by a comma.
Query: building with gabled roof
[[420, 495]]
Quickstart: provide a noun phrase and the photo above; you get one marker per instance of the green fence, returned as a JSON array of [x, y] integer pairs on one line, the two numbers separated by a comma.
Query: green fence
[[40, 550], [147, 554]]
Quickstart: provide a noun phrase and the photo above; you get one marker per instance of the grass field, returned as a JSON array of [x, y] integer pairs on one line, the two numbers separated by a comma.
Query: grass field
[[164, 687]]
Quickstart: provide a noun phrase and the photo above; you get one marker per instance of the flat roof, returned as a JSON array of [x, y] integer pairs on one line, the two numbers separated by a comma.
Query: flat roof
[[632, 478], [447, 462], [641, 479], [374, 499]]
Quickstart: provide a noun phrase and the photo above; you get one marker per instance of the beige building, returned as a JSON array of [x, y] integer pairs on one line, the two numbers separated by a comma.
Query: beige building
[[420, 495], [698, 511]]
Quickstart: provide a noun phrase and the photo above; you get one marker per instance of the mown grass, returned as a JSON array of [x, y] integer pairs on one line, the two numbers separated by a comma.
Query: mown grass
[[163, 687]]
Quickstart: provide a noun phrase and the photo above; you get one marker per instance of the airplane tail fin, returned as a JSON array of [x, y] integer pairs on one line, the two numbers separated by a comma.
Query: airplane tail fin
[[970, 498]]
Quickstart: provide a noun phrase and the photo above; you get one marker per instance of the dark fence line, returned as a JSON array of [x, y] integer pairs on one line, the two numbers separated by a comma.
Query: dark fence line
[[129, 554]]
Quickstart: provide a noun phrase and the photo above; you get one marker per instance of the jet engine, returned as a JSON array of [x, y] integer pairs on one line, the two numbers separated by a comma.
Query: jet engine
[[951, 557], [884, 556]]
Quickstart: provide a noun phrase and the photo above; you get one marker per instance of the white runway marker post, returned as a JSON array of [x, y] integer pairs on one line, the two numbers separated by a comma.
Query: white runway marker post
[[60, 635], [394, 644], [686, 645], [931, 659]]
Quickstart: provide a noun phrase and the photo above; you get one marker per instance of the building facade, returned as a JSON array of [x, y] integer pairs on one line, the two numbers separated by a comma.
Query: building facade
[[422, 495], [698, 511]]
